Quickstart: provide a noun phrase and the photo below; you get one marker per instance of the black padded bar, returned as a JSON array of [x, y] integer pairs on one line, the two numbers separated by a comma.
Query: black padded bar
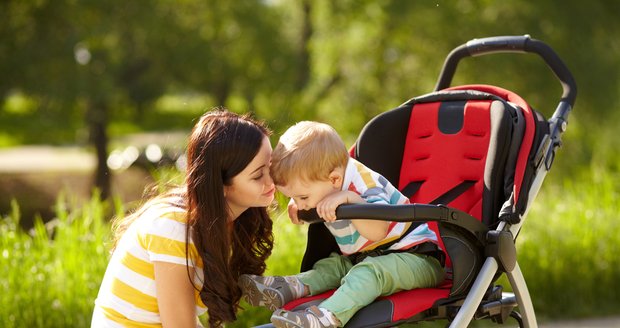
[[516, 44], [405, 213]]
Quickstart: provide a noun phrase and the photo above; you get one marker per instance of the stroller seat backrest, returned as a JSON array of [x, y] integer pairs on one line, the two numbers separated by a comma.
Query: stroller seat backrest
[[464, 148]]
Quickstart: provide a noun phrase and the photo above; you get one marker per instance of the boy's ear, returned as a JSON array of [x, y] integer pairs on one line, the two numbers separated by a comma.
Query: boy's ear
[[336, 178]]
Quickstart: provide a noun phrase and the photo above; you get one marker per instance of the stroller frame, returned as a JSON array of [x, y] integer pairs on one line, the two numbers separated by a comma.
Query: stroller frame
[[558, 123], [483, 300]]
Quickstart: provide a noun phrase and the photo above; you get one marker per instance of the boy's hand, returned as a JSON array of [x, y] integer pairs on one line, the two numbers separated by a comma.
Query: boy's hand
[[292, 212], [326, 208]]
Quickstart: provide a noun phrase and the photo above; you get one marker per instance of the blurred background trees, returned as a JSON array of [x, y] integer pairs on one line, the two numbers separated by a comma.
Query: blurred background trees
[[79, 66], [89, 73], [86, 73]]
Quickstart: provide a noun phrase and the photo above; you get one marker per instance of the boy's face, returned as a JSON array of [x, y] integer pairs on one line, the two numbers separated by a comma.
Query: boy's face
[[307, 194]]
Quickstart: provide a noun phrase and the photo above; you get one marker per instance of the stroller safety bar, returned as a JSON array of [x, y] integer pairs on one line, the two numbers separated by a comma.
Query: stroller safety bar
[[405, 213]]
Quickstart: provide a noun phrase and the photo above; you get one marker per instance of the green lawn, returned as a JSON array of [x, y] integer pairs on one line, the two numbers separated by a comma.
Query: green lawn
[[567, 249]]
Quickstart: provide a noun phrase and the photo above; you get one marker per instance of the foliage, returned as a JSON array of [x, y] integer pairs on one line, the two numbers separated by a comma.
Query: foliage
[[283, 60]]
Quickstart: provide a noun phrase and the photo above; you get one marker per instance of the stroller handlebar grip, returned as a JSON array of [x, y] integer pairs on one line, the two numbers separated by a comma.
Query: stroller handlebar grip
[[367, 211], [403, 213], [514, 44], [478, 47]]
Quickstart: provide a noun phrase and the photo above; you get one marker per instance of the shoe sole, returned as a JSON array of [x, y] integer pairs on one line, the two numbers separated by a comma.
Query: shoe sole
[[281, 322], [257, 294]]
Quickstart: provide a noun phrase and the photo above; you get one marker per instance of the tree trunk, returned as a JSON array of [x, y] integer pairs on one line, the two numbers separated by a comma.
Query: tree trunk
[[303, 73], [97, 117]]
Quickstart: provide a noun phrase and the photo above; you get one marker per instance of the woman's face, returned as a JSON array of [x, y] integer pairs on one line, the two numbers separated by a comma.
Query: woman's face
[[253, 186]]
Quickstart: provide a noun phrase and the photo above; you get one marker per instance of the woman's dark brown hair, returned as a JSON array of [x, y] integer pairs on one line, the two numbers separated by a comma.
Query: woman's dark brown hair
[[221, 145]]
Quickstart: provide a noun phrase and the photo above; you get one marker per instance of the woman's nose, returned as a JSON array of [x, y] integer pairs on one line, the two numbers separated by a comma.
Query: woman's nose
[[269, 181]]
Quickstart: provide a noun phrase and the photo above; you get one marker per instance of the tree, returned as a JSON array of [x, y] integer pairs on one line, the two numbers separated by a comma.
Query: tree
[[84, 59]]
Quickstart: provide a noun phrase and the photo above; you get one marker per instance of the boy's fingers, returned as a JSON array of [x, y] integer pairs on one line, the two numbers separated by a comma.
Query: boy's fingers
[[292, 213]]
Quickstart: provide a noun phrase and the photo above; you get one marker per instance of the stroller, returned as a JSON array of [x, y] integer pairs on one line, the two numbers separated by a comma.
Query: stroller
[[471, 159]]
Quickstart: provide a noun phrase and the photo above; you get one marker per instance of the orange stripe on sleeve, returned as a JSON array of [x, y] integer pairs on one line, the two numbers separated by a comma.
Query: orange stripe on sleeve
[[115, 316], [138, 266], [134, 296]]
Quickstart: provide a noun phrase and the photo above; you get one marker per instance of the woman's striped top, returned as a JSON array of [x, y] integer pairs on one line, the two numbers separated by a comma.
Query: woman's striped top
[[127, 296]]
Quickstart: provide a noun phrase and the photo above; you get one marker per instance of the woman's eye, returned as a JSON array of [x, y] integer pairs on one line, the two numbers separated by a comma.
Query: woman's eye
[[259, 177]]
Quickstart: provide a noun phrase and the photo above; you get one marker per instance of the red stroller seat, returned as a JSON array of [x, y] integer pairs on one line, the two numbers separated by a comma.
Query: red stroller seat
[[471, 159]]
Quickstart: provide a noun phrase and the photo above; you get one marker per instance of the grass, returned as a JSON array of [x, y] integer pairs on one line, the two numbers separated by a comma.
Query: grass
[[52, 273], [567, 249], [570, 245]]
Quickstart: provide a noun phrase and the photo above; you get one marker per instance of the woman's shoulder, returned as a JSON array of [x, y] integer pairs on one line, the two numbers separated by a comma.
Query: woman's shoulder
[[162, 217]]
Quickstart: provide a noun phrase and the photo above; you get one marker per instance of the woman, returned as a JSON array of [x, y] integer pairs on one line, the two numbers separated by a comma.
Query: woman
[[182, 252]]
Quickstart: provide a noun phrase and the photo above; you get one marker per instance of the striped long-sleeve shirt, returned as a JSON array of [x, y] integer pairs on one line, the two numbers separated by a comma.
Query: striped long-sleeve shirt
[[374, 188], [127, 296]]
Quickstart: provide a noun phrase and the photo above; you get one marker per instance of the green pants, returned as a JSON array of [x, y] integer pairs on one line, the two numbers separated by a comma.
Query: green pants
[[359, 285]]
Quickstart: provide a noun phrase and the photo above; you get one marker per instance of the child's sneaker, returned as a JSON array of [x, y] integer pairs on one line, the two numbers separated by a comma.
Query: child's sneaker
[[271, 292], [312, 317]]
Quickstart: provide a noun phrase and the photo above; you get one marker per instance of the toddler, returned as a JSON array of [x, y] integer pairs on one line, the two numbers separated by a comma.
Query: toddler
[[311, 165]]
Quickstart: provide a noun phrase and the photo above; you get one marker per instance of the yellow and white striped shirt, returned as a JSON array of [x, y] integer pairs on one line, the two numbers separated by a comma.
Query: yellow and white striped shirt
[[127, 296]]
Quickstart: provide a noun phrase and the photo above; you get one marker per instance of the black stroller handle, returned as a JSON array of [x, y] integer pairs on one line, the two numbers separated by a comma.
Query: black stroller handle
[[516, 44], [404, 213]]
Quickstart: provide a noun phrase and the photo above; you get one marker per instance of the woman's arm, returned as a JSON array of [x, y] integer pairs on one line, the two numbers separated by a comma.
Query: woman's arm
[[175, 295]]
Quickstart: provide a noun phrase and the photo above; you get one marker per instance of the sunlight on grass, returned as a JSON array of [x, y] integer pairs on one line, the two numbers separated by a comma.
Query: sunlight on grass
[[569, 245], [54, 270], [567, 250]]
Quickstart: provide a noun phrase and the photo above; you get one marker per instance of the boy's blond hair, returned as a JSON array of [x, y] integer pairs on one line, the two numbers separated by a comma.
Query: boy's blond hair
[[308, 151]]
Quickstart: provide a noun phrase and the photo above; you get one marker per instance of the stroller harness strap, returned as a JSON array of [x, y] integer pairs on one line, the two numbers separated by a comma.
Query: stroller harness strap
[[445, 198]]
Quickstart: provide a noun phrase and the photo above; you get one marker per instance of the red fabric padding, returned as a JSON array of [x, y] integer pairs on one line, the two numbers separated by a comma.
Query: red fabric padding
[[411, 302], [405, 304], [352, 151], [530, 129], [443, 161], [293, 304]]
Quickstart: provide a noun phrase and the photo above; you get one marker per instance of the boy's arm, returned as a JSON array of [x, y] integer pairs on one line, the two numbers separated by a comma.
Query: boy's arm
[[373, 230]]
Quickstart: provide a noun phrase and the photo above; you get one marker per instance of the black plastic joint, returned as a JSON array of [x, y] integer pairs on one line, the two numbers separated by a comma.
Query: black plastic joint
[[501, 246], [512, 218]]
